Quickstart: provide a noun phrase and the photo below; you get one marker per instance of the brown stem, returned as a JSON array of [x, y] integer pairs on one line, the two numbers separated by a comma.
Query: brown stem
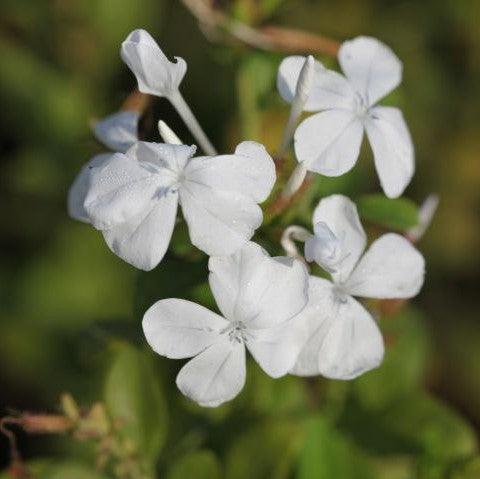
[[266, 38], [280, 203], [12, 439], [136, 101], [295, 41]]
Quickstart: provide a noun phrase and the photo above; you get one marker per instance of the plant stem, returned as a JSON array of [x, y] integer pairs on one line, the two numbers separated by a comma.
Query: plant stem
[[188, 117]]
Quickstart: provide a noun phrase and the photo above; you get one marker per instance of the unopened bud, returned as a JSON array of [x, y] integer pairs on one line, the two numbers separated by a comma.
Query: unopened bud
[[168, 134], [305, 82], [425, 216]]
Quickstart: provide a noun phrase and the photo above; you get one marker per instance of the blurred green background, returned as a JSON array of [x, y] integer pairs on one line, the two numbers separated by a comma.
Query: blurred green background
[[71, 310]]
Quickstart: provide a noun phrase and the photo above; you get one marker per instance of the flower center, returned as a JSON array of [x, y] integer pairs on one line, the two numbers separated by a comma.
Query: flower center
[[237, 331], [361, 107], [340, 293]]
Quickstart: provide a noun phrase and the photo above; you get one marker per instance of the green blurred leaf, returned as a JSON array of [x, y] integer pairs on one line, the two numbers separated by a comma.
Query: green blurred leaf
[[134, 397], [70, 471], [436, 429], [172, 278], [97, 285], [269, 6], [255, 78], [267, 451], [398, 214], [403, 369], [198, 465], [468, 470], [267, 396], [327, 454]]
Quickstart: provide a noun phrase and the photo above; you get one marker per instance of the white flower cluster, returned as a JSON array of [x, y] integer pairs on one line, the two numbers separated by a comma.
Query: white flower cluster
[[290, 322]]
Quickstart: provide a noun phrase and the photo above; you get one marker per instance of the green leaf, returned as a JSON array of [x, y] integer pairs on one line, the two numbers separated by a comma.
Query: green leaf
[[173, 277], [70, 471], [134, 398], [327, 454], [404, 365], [469, 470], [197, 464], [438, 431], [267, 396], [266, 451], [270, 6], [255, 78], [398, 214]]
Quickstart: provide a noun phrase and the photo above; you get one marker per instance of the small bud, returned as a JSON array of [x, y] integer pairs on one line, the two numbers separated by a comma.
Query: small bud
[[295, 181], [168, 134], [305, 82], [70, 407], [425, 216], [302, 91]]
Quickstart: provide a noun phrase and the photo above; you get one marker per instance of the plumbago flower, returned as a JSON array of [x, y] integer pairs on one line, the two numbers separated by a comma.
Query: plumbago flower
[[133, 197], [329, 142], [258, 296], [342, 339], [118, 132]]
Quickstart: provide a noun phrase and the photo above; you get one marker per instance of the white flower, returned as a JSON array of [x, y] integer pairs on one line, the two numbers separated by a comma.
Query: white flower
[[257, 296], [132, 198], [329, 142], [118, 132], [155, 73], [342, 339]]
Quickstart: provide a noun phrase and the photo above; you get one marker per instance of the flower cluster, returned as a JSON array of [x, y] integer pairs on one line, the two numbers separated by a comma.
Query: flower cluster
[[290, 321]]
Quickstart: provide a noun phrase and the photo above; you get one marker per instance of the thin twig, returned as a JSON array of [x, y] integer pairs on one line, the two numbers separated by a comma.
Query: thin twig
[[12, 439], [266, 38], [281, 202]]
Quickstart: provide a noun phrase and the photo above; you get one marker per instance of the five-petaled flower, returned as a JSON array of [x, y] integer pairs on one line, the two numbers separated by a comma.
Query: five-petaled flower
[[258, 296], [329, 142], [342, 339], [133, 197]]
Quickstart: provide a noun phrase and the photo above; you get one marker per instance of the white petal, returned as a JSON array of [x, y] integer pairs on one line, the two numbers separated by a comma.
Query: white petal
[[340, 214], [344, 340], [250, 171], [120, 189], [329, 89], [391, 268], [313, 322], [260, 291], [143, 240], [329, 142], [219, 222], [324, 248], [276, 349], [392, 149], [173, 157], [155, 74], [177, 329], [81, 185], [353, 343], [118, 131], [214, 376], [372, 67]]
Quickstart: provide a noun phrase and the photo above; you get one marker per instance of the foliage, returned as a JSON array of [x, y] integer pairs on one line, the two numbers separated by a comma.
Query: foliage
[[66, 318]]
